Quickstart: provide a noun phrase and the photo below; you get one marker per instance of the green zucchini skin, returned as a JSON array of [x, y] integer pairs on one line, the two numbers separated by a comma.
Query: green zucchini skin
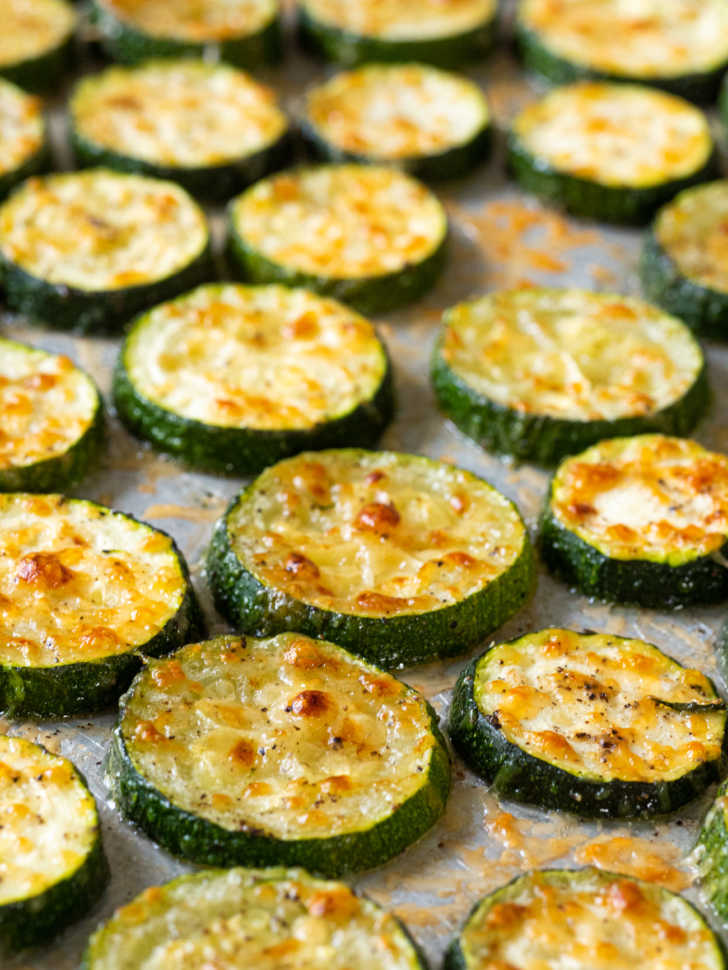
[[127, 44], [517, 775], [712, 855], [544, 439], [41, 74]]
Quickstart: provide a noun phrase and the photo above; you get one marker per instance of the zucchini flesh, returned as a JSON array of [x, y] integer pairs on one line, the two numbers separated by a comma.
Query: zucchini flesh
[[447, 556], [589, 723], [613, 921], [85, 592], [540, 373], [35, 48], [640, 520], [22, 135], [53, 867], [282, 751], [261, 917], [235, 378]]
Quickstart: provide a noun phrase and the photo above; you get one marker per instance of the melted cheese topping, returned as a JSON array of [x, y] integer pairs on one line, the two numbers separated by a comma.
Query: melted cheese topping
[[616, 134], [649, 497], [397, 111], [268, 919], [80, 582], [196, 21], [572, 919], [590, 705], [291, 736], [256, 357], [401, 19], [570, 353], [374, 533], [100, 230], [633, 38], [693, 230], [341, 221], [48, 821], [177, 113], [22, 130], [31, 28], [46, 403]]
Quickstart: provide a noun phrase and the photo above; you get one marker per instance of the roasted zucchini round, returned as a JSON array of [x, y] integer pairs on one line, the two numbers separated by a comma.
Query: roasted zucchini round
[[36, 42], [287, 751], [399, 558], [52, 420], [246, 33], [613, 152], [429, 122], [53, 864], [591, 724], [640, 520], [85, 251], [367, 235], [22, 136], [209, 127], [685, 259], [677, 45], [85, 593], [267, 918], [711, 854], [234, 378], [542, 373], [584, 918]]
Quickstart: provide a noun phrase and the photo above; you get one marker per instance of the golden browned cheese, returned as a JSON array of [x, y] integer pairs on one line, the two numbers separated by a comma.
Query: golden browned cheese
[[31, 28], [197, 21], [693, 230], [401, 19], [22, 130]]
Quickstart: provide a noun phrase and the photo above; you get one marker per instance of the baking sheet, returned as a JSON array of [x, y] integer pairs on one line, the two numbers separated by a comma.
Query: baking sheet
[[499, 238]]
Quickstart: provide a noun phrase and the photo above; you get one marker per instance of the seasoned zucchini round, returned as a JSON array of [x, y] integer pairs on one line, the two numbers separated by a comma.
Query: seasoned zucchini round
[[541, 373], [52, 420], [711, 853], [85, 593], [36, 41], [591, 724], [446, 34], [613, 152], [263, 917], [584, 918], [234, 378], [287, 751], [677, 45], [85, 251], [398, 558], [640, 520], [367, 235], [244, 32], [209, 127], [685, 259], [53, 864], [429, 122], [22, 136]]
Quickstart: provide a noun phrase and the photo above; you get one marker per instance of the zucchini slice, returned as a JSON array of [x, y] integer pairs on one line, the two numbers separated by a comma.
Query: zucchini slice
[[53, 864], [267, 919], [234, 378], [246, 33], [562, 918], [677, 45], [52, 420], [685, 259], [445, 34], [36, 42], [85, 594], [711, 854], [399, 558], [640, 520], [591, 724], [22, 136], [287, 751], [542, 373], [367, 235], [429, 122], [85, 251], [613, 152], [209, 127]]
